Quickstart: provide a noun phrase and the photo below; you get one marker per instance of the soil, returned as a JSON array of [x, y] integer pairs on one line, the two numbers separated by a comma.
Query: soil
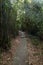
[[35, 54], [6, 57]]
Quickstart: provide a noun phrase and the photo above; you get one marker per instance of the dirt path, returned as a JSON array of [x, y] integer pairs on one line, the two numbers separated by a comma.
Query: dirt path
[[22, 52], [20, 57]]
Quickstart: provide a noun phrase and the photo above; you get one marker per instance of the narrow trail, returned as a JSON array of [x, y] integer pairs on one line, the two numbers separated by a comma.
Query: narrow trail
[[20, 57]]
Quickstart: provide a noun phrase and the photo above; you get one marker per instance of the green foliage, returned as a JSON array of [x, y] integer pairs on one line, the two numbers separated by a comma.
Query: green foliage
[[20, 15], [14, 24], [35, 41], [33, 18], [8, 22], [4, 23]]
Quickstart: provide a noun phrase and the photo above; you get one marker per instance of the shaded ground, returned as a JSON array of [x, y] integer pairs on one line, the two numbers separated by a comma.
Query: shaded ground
[[6, 57], [20, 57], [35, 54], [22, 52]]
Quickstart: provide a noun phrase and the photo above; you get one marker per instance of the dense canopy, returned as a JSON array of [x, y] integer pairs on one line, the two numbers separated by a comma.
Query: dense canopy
[[15, 15]]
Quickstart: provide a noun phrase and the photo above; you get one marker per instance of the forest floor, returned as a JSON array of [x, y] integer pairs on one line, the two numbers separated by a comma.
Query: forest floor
[[35, 54], [22, 48], [6, 57]]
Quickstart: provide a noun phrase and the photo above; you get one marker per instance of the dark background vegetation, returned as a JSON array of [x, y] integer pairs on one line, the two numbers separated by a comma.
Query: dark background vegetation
[[21, 15]]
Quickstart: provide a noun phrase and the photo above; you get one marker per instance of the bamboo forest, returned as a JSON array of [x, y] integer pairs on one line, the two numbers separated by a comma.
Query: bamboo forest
[[21, 32]]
